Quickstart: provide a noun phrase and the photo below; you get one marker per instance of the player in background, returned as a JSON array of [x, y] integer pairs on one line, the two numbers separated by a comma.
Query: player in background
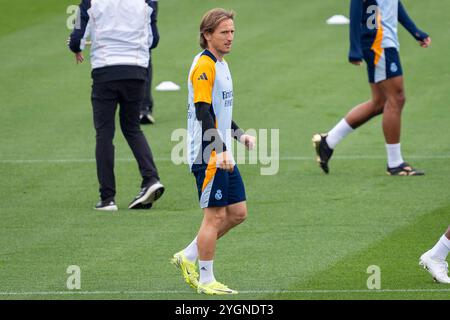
[[374, 38], [220, 187], [434, 259]]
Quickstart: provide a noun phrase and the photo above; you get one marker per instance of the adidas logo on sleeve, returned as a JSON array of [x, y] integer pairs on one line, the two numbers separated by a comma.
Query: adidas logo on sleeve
[[203, 77]]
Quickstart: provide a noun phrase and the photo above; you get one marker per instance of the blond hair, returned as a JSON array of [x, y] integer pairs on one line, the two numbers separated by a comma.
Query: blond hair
[[210, 21]]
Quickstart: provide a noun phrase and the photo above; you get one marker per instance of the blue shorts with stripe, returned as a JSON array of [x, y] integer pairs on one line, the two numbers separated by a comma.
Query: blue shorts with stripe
[[388, 65], [222, 189]]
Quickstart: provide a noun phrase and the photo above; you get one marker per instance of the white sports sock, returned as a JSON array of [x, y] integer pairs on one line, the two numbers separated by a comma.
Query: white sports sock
[[339, 132], [191, 251], [206, 271], [394, 155], [441, 249]]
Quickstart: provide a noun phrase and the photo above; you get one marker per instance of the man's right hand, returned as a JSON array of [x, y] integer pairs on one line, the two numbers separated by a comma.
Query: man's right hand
[[225, 161], [356, 62], [425, 43], [79, 58]]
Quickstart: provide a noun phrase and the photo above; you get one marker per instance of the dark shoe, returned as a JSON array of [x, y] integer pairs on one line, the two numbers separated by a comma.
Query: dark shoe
[[404, 170], [323, 151], [146, 118], [108, 205], [147, 196], [141, 206]]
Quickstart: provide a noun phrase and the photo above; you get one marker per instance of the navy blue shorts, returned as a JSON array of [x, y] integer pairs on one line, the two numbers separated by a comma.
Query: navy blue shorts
[[383, 67], [219, 188]]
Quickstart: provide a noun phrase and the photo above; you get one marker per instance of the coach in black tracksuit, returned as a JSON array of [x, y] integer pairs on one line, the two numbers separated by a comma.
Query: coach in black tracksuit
[[121, 32]]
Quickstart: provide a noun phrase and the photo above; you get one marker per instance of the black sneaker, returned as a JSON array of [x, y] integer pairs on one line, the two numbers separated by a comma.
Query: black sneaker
[[141, 206], [147, 196], [146, 118], [404, 170], [323, 151], [108, 205]]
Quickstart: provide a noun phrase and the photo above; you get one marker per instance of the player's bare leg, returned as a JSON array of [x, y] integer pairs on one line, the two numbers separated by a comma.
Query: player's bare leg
[[213, 220], [202, 247], [362, 113], [395, 94], [325, 144], [236, 214], [217, 221], [394, 91]]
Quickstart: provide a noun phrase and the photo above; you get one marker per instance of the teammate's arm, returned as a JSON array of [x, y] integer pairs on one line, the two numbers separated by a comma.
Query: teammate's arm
[[79, 32], [409, 25], [246, 139], [355, 55]]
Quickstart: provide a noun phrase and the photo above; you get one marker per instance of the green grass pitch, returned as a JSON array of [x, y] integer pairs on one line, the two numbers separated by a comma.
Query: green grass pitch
[[308, 236]]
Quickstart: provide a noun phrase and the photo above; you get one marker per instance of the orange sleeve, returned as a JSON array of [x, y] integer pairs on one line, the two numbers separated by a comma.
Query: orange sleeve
[[202, 78]]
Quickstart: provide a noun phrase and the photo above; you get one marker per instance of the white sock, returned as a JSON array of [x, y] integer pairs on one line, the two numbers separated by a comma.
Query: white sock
[[394, 155], [206, 271], [339, 132], [191, 251], [441, 249]]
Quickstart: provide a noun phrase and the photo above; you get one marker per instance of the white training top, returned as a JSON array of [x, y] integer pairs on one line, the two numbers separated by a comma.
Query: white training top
[[210, 82]]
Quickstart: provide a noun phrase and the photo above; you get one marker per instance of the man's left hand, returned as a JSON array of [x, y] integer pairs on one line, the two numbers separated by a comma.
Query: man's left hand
[[249, 141]]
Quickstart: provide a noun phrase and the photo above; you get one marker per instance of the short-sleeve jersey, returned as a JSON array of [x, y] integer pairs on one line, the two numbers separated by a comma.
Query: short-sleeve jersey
[[209, 82]]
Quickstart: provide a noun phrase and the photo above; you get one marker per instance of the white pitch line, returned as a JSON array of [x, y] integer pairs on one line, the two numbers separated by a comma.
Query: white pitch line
[[74, 292], [43, 293], [347, 291], [365, 157], [167, 159]]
